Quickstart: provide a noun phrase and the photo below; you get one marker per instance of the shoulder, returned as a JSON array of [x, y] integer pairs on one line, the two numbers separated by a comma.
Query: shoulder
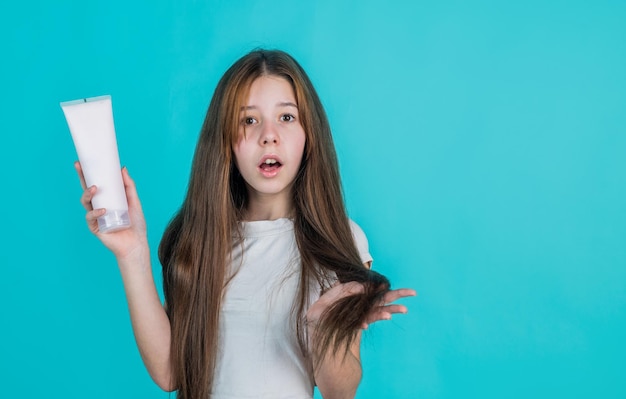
[[357, 232], [360, 239]]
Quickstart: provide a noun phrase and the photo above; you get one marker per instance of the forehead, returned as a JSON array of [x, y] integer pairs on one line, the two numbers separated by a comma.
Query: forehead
[[270, 90]]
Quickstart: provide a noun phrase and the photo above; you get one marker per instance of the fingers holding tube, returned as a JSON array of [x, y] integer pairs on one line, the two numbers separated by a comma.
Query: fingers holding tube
[[87, 196], [85, 200], [92, 214], [92, 219], [81, 176], [131, 190], [88, 192]]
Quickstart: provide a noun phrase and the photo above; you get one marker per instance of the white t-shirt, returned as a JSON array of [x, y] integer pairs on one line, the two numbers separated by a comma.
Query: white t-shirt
[[259, 355]]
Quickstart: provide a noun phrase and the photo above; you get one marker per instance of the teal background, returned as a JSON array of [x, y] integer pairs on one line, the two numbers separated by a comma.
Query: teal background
[[482, 147]]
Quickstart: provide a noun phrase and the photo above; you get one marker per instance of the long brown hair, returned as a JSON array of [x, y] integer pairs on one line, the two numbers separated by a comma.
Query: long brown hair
[[196, 246]]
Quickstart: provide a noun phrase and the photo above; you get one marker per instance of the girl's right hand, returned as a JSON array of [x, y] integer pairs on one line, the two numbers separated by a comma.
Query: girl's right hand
[[123, 243]]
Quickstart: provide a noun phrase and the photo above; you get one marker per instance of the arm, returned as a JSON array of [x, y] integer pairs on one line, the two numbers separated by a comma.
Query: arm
[[150, 322], [338, 376]]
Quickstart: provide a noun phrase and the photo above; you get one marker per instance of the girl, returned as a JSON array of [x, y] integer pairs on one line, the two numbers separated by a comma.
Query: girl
[[266, 281]]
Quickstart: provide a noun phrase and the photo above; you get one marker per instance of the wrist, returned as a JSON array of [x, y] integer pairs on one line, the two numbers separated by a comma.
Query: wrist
[[134, 257]]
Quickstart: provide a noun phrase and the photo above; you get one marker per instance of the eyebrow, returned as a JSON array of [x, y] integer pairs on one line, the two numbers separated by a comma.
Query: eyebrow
[[280, 104]]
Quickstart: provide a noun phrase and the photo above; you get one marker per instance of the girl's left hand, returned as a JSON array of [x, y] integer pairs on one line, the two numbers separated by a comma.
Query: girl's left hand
[[383, 311]]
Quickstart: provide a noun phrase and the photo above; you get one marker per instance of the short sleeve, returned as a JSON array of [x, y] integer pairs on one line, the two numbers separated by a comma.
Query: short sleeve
[[361, 242]]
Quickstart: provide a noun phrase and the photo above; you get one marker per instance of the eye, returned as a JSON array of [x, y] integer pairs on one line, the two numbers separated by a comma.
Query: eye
[[287, 118], [248, 120]]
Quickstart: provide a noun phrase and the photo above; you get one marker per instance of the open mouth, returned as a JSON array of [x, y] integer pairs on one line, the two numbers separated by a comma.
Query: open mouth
[[270, 165]]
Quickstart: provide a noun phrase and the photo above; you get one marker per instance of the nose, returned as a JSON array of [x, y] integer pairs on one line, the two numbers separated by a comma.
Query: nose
[[268, 135]]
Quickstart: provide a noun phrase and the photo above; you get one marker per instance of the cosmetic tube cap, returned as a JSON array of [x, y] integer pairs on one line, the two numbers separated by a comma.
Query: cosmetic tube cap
[[113, 221]]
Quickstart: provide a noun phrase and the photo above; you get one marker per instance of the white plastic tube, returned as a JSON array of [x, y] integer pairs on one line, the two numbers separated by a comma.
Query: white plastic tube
[[91, 125]]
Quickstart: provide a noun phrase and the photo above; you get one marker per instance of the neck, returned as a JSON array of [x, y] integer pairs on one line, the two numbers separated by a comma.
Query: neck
[[268, 208]]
